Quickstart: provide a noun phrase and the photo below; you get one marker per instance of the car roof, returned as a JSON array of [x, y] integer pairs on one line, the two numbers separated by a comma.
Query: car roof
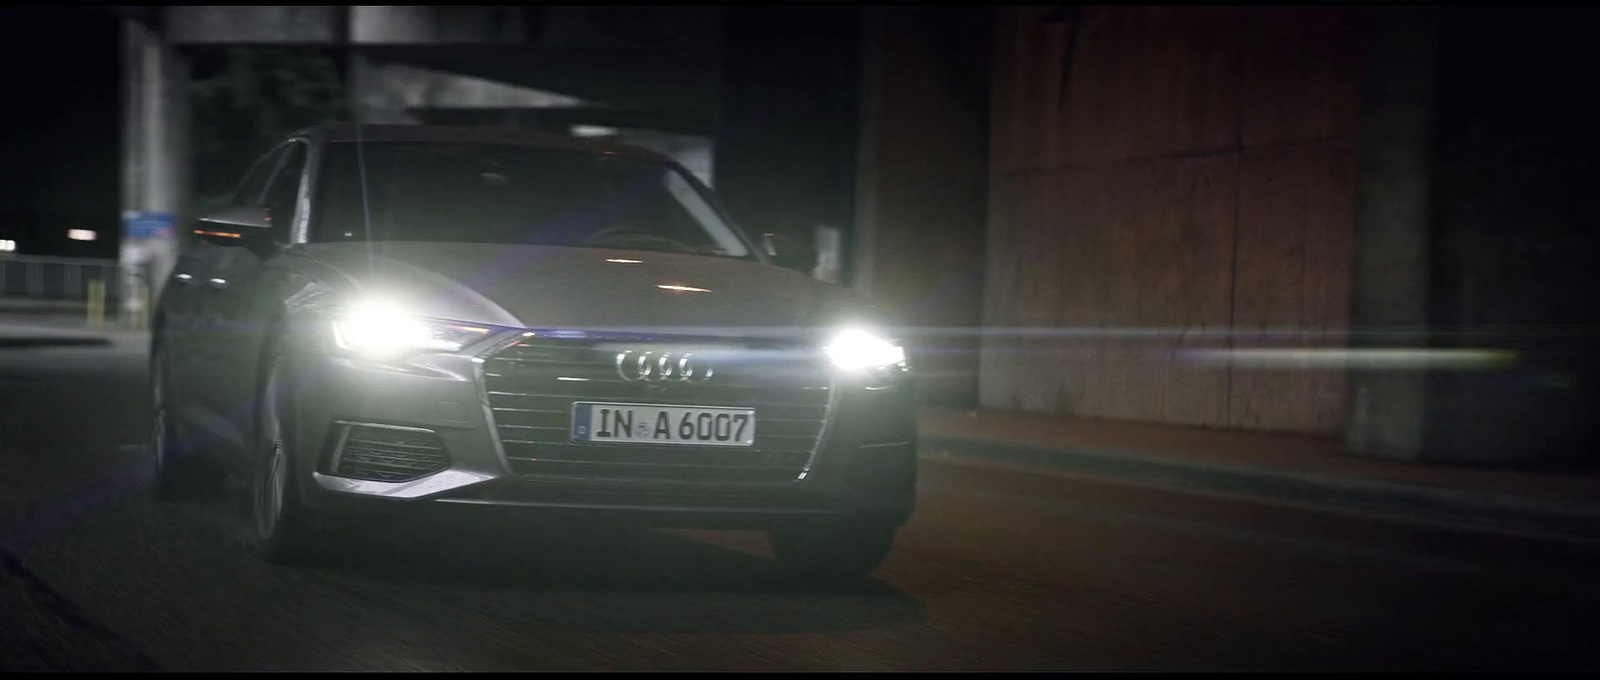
[[350, 132]]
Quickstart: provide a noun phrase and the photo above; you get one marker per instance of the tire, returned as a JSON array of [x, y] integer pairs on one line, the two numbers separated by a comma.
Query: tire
[[180, 474], [833, 551], [281, 530]]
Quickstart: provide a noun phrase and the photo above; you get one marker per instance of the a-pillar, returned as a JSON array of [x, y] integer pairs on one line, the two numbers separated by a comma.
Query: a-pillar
[[155, 163]]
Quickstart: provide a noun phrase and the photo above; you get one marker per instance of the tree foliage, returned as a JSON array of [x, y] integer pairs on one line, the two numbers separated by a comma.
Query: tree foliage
[[246, 98]]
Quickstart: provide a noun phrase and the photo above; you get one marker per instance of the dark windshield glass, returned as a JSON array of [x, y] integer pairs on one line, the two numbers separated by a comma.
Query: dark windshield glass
[[482, 193]]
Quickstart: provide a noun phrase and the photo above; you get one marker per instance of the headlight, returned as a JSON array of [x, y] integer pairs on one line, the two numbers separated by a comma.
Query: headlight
[[857, 349], [383, 331]]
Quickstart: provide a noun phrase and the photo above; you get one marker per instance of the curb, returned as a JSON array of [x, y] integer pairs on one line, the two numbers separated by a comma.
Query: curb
[[1520, 514], [79, 311], [53, 341]]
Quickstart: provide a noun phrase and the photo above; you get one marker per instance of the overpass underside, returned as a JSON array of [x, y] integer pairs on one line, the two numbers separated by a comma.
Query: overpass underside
[[646, 78]]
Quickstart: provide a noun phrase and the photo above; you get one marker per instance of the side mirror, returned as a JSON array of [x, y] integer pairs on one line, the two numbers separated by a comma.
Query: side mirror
[[790, 253], [249, 227]]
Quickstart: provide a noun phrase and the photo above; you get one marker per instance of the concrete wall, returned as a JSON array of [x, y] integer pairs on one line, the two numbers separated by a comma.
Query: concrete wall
[[923, 185], [1393, 222], [1182, 170]]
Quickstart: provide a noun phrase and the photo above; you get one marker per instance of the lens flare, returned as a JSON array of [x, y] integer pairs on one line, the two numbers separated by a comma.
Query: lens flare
[[857, 349]]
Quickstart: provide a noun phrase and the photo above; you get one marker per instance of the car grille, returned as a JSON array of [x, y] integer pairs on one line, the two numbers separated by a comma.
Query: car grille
[[532, 384], [387, 454]]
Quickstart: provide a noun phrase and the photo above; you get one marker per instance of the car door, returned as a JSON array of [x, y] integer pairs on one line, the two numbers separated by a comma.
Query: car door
[[178, 307], [241, 299], [207, 354], [186, 331]]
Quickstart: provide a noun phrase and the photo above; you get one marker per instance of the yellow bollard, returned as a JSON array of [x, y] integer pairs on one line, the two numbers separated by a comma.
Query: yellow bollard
[[97, 302], [141, 300]]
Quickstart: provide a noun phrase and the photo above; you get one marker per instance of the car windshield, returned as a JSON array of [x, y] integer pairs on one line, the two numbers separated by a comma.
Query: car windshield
[[484, 193]]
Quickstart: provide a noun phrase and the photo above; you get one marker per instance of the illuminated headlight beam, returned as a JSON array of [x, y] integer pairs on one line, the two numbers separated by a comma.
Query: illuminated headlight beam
[[384, 330], [1360, 359], [856, 349]]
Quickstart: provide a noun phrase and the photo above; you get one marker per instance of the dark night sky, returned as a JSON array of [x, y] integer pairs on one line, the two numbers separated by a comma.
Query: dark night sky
[[60, 123]]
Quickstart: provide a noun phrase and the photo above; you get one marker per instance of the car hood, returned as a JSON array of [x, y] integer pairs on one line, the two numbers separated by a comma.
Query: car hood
[[589, 288]]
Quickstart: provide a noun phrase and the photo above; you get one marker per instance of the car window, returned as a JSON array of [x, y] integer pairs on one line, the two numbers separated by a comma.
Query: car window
[[249, 191], [485, 193]]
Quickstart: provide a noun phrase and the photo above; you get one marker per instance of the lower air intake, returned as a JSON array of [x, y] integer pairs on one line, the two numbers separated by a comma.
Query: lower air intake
[[389, 454]]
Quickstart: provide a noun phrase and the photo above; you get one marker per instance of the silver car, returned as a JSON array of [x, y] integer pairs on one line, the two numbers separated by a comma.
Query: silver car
[[402, 319]]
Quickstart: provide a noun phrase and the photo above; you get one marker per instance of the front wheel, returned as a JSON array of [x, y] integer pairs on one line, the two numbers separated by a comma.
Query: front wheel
[[280, 528], [833, 550]]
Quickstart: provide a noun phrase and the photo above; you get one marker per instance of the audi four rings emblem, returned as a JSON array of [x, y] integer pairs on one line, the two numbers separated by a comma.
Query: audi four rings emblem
[[656, 367]]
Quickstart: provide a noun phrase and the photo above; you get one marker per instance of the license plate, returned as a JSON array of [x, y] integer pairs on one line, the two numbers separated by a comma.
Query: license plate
[[652, 424]]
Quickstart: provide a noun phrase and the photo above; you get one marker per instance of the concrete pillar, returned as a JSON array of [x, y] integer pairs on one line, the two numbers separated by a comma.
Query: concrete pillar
[[155, 161], [1393, 221], [868, 140], [922, 146]]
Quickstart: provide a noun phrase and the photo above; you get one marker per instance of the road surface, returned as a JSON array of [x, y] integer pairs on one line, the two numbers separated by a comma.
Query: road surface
[[1000, 569]]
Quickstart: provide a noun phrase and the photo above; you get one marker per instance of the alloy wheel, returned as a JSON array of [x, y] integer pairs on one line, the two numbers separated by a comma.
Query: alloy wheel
[[273, 479]]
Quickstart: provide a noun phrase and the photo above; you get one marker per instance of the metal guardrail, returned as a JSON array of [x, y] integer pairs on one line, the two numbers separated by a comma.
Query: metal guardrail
[[102, 286], [66, 279]]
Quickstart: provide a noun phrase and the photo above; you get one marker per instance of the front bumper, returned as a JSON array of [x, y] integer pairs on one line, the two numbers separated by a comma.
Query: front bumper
[[864, 462]]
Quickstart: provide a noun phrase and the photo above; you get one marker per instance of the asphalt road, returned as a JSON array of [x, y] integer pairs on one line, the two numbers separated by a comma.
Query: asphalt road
[[1000, 569]]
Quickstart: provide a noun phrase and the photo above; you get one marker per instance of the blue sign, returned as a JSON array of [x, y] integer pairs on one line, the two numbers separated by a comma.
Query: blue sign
[[149, 225]]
